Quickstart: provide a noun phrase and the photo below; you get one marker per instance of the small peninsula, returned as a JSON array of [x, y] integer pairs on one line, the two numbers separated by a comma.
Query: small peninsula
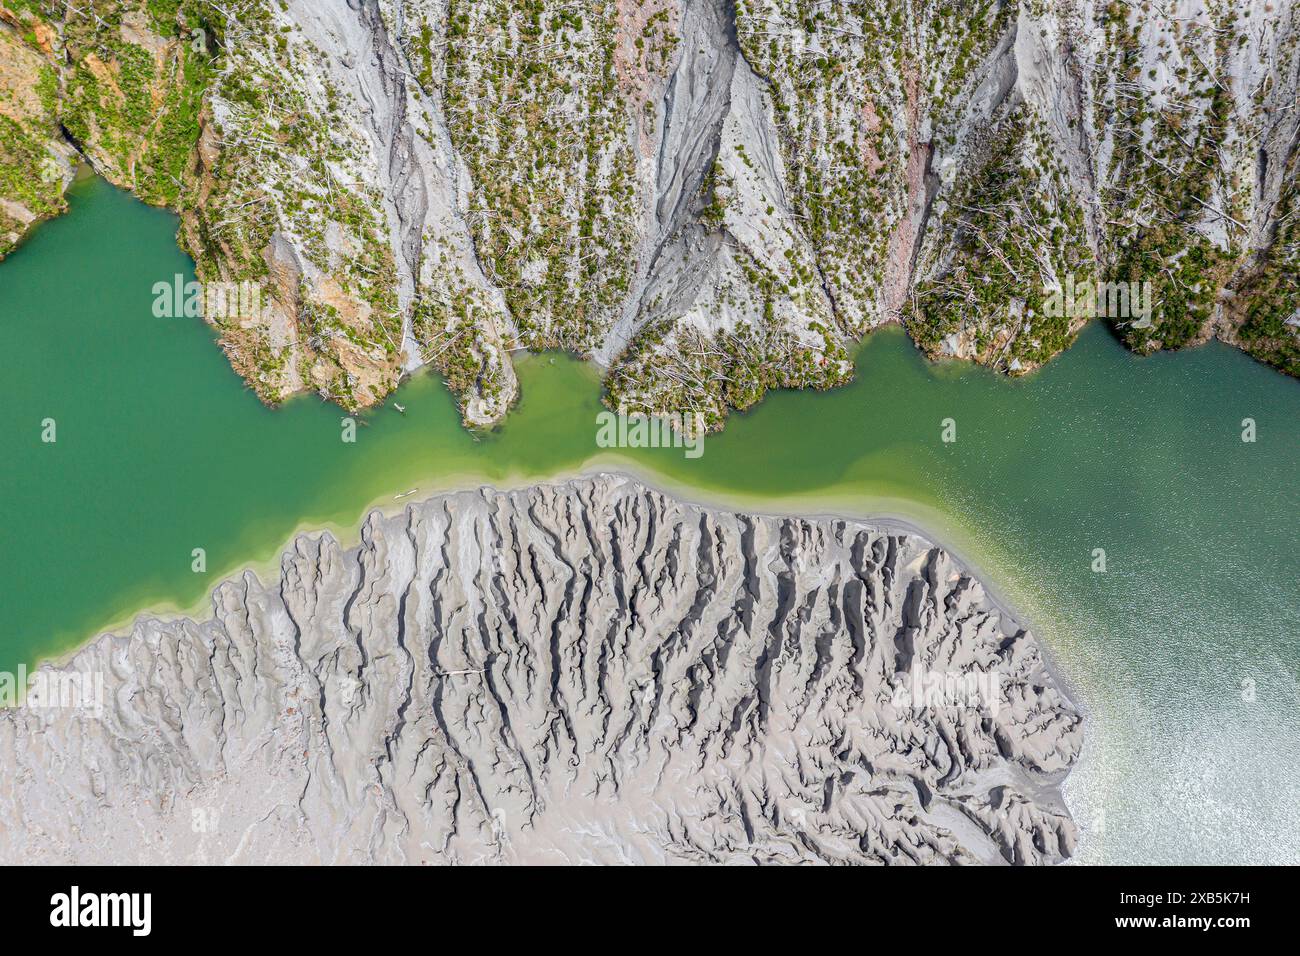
[[589, 671]]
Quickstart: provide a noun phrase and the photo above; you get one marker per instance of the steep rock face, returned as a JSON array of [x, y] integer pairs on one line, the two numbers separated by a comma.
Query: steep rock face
[[957, 164], [709, 197], [1140, 149], [729, 304], [328, 175], [35, 163], [583, 672]]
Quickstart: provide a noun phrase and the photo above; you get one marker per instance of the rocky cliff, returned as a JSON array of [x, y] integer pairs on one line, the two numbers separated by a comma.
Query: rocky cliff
[[710, 197], [590, 671]]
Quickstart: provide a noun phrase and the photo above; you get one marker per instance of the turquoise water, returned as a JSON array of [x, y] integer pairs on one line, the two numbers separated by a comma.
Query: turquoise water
[[1185, 652]]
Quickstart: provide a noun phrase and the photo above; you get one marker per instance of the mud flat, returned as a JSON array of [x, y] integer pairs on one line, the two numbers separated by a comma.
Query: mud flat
[[589, 671]]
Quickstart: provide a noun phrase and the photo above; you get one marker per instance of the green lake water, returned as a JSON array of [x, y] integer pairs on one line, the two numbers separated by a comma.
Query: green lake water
[[1185, 653]]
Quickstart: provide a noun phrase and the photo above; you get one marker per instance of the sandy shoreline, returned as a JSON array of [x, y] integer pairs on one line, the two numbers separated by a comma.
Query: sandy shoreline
[[673, 682], [819, 507], [825, 505]]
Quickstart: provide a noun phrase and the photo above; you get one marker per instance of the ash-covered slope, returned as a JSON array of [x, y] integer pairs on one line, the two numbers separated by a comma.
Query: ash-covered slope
[[709, 197], [590, 671]]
